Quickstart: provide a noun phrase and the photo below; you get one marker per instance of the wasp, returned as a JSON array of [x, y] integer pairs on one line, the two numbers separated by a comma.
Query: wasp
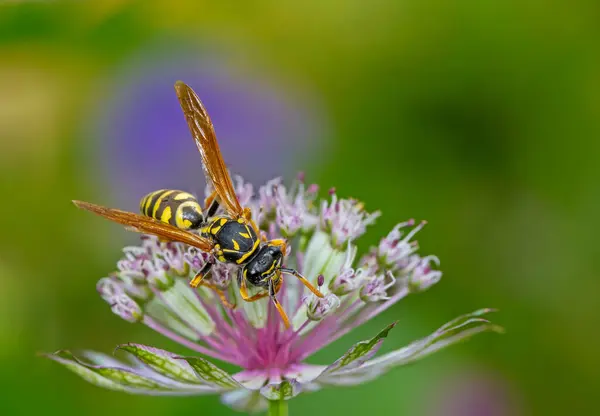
[[231, 238]]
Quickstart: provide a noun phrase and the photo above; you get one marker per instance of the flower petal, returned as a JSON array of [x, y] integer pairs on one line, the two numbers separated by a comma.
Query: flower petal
[[163, 362], [243, 400], [285, 390], [359, 353], [123, 379], [180, 299], [211, 374], [453, 332], [317, 255]]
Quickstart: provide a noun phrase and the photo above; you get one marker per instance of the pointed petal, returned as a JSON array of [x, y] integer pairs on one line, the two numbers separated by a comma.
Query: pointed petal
[[243, 400], [124, 378], [453, 332], [317, 255], [182, 301], [161, 313], [163, 362], [305, 374], [211, 374], [359, 353], [252, 379], [285, 390], [99, 358]]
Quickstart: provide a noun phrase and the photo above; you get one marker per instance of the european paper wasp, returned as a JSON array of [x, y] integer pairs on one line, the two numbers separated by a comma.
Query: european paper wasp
[[230, 238]]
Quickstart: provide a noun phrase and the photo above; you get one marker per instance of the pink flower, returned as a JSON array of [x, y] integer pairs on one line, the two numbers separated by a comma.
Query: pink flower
[[151, 287]]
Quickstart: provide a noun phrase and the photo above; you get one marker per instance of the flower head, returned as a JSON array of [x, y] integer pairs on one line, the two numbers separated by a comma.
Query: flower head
[[150, 286]]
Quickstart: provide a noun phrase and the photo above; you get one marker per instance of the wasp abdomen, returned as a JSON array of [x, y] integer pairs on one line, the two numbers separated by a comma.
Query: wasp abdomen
[[177, 208]]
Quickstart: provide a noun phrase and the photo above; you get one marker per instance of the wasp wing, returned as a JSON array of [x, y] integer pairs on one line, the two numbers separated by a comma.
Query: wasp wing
[[204, 135], [147, 225]]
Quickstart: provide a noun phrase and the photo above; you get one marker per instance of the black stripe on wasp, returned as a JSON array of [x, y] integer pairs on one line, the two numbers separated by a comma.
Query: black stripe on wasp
[[231, 238]]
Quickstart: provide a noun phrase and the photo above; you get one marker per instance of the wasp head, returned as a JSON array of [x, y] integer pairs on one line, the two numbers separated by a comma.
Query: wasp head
[[261, 268]]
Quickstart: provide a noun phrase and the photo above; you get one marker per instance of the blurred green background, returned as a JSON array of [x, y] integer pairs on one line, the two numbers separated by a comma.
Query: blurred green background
[[482, 117]]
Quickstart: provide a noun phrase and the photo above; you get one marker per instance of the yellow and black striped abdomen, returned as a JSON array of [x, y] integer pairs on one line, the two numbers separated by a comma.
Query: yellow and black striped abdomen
[[177, 208]]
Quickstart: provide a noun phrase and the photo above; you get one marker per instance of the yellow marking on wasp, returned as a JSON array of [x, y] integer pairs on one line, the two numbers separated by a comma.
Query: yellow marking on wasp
[[268, 272], [194, 204], [183, 195], [159, 201], [215, 230], [241, 220], [235, 244], [245, 235], [149, 197], [221, 259], [166, 215], [143, 204], [204, 230], [249, 253], [222, 221], [180, 221]]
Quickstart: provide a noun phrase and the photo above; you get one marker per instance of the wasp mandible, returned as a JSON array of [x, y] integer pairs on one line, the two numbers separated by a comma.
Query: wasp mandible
[[231, 238]]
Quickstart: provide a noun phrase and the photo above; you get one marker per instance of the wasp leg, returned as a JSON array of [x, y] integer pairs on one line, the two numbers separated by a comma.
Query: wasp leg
[[220, 293], [246, 297], [198, 281], [303, 280], [272, 292], [211, 204]]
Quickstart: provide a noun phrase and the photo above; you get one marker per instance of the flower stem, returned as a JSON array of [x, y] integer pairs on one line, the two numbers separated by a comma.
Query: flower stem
[[278, 408]]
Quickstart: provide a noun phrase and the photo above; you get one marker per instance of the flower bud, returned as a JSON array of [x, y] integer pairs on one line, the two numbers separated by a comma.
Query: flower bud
[[108, 288], [125, 307], [423, 276], [375, 287], [318, 308], [395, 249], [345, 219]]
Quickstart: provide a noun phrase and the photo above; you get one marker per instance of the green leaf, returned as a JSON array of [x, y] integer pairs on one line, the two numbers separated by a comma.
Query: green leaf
[[211, 374], [163, 362], [359, 352], [285, 390]]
